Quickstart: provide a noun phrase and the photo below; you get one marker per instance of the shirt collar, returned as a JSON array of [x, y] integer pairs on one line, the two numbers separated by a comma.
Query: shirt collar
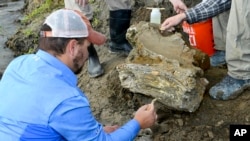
[[59, 65]]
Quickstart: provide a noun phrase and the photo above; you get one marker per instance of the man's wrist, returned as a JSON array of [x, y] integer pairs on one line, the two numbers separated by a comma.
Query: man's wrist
[[183, 16]]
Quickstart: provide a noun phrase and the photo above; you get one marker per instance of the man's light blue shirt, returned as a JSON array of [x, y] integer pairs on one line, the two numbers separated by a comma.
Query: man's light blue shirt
[[40, 100]]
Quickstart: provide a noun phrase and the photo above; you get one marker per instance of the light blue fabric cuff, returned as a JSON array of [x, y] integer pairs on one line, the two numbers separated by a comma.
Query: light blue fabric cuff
[[127, 132]]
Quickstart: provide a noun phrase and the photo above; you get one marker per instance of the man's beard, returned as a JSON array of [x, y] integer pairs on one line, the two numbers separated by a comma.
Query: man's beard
[[78, 71], [77, 67]]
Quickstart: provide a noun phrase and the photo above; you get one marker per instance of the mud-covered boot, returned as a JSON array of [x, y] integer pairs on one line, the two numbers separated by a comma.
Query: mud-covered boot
[[218, 59], [94, 66], [118, 25], [229, 88]]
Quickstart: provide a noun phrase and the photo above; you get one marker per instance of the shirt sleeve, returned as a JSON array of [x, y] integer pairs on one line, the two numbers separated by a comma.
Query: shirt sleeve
[[74, 120], [205, 10]]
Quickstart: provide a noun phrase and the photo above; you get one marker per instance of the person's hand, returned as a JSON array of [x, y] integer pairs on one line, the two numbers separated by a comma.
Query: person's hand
[[82, 3], [109, 129], [170, 22], [146, 116], [179, 6]]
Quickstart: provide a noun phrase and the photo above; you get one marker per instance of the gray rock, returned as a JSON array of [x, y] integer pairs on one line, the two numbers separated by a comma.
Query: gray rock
[[163, 67]]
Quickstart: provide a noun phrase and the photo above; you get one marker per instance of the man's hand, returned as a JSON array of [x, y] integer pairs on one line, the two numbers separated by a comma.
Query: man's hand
[[179, 6], [82, 3], [146, 116], [109, 129], [170, 22]]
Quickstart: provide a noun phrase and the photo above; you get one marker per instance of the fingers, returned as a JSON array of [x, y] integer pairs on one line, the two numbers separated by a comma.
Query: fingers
[[115, 127], [166, 25], [170, 22], [153, 112], [143, 108], [150, 108], [171, 29], [146, 116], [82, 3], [178, 10], [151, 105]]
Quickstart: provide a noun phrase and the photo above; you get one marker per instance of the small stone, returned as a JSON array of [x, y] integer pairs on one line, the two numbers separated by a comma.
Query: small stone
[[219, 123], [210, 134], [180, 122]]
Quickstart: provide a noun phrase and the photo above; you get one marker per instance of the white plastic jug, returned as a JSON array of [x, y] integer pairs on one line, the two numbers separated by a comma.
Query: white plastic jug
[[155, 16]]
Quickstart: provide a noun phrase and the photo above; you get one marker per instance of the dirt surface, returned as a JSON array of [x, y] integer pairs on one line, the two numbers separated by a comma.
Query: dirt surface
[[111, 104]]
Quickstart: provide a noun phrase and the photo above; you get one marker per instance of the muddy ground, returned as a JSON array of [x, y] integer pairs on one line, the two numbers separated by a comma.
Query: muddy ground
[[111, 104]]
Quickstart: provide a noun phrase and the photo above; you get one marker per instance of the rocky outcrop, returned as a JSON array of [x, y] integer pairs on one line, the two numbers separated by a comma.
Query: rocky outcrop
[[163, 67]]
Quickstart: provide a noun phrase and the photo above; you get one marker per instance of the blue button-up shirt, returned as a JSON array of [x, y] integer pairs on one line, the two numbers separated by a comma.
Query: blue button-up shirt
[[40, 100]]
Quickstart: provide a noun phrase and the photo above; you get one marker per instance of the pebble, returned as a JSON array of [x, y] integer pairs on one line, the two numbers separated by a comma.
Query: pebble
[[180, 122], [210, 134], [219, 123]]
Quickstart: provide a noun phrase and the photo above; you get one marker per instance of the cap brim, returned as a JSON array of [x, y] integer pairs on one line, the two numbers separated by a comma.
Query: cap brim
[[94, 36]]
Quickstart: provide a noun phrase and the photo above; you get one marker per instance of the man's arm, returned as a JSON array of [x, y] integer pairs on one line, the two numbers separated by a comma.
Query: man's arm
[[201, 11], [207, 9], [73, 120]]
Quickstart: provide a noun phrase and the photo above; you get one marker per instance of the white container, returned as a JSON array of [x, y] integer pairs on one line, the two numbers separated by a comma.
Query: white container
[[155, 16]]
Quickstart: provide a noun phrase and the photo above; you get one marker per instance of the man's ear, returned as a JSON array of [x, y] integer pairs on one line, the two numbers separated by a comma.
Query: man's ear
[[71, 47]]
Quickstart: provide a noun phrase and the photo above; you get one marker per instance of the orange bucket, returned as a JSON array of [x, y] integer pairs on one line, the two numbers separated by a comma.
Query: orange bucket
[[200, 35]]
